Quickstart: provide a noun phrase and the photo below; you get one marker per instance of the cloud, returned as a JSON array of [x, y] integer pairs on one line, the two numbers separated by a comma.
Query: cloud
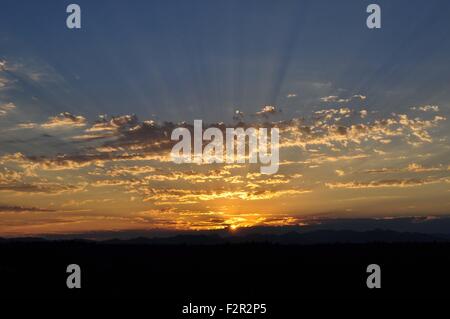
[[359, 96], [41, 187], [413, 168], [65, 120], [418, 168], [31, 70], [336, 99], [330, 98], [129, 170], [176, 196], [5, 77], [418, 127], [426, 108], [335, 114], [25, 179], [116, 123], [8, 176], [133, 142], [76, 161], [363, 113], [238, 115], [27, 125], [326, 129], [412, 182], [128, 158], [22, 209], [267, 110], [4, 82], [93, 136], [124, 138], [339, 172], [6, 108]]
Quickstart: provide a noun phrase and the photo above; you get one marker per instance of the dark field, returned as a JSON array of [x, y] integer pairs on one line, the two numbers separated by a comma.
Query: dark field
[[224, 273]]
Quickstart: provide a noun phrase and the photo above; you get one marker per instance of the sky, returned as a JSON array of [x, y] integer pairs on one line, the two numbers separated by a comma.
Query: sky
[[86, 115]]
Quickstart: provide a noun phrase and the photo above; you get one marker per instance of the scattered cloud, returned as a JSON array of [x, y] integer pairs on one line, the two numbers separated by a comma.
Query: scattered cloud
[[128, 160], [41, 187], [413, 167], [30, 70], [6, 108], [22, 209], [267, 110], [337, 99], [65, 120], [27, 125], [426, 108], [412, 182], [339, 172], [238, 115], [185, 196]]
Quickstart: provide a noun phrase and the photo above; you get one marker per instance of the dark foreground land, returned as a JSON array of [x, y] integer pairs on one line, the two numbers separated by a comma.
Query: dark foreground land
[[238, 272]]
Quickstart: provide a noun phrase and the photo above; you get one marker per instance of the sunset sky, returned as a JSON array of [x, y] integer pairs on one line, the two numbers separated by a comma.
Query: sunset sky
[[86, 115]]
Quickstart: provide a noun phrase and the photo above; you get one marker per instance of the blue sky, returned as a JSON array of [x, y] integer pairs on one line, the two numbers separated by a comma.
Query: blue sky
[[180, 60]]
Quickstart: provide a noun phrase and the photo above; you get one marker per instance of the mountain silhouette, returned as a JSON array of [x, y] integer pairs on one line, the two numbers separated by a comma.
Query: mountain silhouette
[[291, 237]]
